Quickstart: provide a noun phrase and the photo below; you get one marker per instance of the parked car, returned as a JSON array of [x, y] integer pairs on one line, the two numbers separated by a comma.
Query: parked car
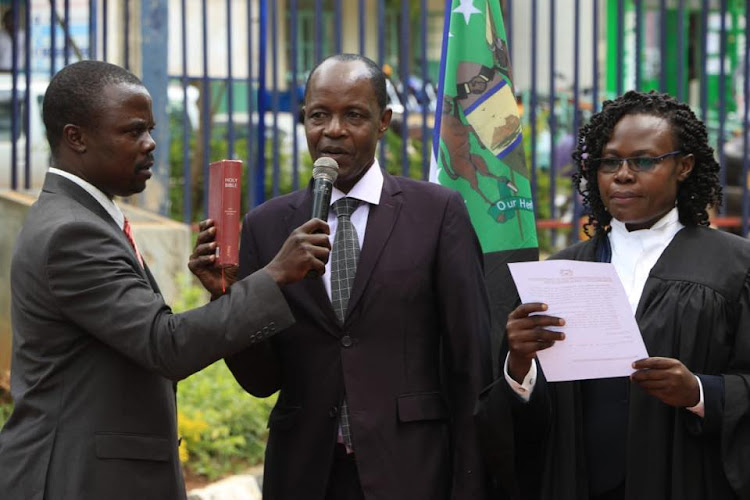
[[398, 102], [39, 149]]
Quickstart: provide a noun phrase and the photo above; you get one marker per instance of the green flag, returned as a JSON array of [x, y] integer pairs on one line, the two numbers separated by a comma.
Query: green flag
[[479, 150]]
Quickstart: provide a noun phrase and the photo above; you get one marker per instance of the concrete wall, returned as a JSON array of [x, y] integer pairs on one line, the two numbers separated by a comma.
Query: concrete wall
[[13, 208], [165, 245]]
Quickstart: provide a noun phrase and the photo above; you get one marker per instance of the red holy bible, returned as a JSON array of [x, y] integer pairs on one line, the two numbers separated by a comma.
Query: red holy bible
[[224, 195]]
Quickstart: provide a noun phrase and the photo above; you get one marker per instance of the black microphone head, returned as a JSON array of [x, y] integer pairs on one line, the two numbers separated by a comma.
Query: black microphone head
[[325, 168]]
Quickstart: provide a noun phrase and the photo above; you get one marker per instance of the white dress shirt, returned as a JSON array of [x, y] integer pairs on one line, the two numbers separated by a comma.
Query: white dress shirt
[[634, 253], [367, 190], [110, 206]]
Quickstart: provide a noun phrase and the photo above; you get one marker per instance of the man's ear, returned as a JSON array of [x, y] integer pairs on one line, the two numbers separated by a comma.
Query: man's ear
[[385, 120], [73, 138]]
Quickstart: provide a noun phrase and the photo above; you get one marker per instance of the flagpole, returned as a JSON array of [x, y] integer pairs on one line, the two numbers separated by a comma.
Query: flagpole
[[441, 88]]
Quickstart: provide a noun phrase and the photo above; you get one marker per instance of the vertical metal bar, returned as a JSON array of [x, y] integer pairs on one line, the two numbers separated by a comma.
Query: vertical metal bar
[[53, 37], [92, 29], [318, 30], [127, 34], [153, 42], [681, 49], [294, 101], [381, 60], [620, 45], [337, 24], [595, 57], [704, 54], [745, 124], [205, 106], [532, 111], [722, 100], [66, 32], [381, 32], [426, 104], [663, 45], [509, 29], [253, 165], [441, 81], [576, 105], [105, 14], [260, 177], [638, 43], [187, 185], [230, 84], [15, 111], [27, 97], [361, 13], [404, 70], [275, 96], [552, 117]]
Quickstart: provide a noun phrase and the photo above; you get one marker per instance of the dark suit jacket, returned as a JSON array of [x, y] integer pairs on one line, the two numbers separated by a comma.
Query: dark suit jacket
[[96, 352], [408, 355]]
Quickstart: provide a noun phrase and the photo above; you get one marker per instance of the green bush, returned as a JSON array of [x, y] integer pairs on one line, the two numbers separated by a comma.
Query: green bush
[[223, 428], [6, 406]]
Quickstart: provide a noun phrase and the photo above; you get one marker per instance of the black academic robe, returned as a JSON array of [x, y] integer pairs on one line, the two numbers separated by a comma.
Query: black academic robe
[[695, 307]]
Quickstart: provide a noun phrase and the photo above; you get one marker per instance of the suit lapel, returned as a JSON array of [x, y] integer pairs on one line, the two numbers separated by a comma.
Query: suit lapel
[[58, 184], [311, 292], [380, 224]]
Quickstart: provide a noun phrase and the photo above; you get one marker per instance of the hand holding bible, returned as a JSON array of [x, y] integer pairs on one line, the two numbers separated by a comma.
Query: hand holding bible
[[202, 263]]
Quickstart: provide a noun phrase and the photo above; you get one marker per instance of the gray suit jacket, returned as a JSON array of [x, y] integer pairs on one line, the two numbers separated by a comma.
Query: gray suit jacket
[[96, 352]]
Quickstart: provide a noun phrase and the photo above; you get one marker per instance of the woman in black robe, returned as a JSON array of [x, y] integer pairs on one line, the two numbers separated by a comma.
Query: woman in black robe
[[679, 427]]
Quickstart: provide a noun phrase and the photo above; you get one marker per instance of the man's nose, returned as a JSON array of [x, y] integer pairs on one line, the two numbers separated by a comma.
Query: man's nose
[[149, 143], [335, 127]]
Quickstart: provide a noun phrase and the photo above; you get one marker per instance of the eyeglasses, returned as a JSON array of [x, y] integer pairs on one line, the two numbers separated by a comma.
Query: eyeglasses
[[635, 163]]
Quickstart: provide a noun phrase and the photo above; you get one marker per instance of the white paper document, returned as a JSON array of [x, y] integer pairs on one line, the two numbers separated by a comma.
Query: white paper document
[[602, 338]]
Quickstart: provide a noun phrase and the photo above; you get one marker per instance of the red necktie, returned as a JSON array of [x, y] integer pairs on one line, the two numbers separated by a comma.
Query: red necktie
[[129, 235]]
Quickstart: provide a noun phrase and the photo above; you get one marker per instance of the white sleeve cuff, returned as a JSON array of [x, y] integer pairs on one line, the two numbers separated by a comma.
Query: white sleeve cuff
[[698, 409], [525, 388]]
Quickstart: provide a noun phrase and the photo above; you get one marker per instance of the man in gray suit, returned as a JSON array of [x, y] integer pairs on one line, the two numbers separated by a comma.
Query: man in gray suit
[[96, 351]]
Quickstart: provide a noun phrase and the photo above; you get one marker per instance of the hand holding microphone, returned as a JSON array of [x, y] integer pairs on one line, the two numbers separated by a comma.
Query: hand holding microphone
[[325, 172]]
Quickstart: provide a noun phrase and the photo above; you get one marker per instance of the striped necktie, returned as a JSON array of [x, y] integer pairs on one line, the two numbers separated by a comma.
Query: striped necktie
[[129, 235]]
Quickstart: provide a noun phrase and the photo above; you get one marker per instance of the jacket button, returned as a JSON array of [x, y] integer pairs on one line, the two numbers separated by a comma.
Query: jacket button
[[346, 341], [333, 412]]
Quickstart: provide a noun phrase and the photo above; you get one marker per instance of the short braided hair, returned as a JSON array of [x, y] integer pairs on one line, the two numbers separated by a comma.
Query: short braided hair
[[695, 194]]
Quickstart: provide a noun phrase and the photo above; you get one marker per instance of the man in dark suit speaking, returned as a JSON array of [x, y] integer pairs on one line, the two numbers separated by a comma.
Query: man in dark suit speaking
[[379, 376], [96, 350]]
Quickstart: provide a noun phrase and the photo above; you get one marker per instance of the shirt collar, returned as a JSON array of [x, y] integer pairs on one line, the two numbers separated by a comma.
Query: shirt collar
[[667, 226], [367, 189], [112, 209]]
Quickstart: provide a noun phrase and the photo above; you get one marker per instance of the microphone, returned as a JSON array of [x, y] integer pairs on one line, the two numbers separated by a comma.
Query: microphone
[[325, 171]]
